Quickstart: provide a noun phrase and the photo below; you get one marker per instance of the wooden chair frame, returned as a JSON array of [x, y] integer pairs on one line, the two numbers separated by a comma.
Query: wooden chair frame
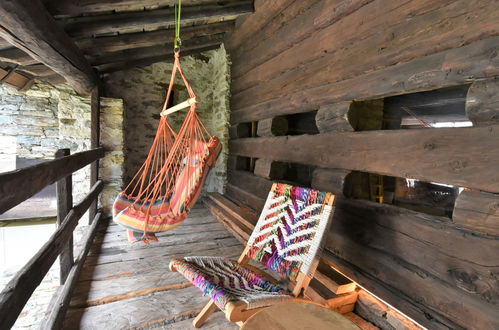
[[237, 311]]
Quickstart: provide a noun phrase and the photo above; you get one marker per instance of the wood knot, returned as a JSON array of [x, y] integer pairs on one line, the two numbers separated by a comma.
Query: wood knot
[[429, 146]]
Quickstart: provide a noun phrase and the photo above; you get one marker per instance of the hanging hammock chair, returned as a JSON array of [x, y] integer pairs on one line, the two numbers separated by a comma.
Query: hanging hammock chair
[[169, 182]]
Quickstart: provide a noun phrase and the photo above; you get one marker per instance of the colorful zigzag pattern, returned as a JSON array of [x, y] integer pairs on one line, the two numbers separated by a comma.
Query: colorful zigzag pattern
[[290, 229]]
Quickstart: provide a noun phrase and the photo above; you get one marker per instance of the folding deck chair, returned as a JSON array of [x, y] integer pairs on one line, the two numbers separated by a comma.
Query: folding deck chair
[[286, 240]]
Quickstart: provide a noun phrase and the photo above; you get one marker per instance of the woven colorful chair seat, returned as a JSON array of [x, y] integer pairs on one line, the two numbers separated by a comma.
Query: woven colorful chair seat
[[225, 281]]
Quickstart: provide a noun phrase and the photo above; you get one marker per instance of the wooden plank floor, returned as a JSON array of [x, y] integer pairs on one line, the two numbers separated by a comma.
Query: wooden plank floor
[[129, 286]]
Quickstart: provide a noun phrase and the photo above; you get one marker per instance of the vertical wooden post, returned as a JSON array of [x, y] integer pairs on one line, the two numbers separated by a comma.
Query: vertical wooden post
[[94, 143], [64, 193]]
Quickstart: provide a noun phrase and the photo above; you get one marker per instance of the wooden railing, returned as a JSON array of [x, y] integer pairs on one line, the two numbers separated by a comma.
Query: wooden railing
[[19, 185]]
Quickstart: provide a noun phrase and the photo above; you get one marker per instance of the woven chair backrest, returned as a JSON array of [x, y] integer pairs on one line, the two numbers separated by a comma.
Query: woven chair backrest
[[290, 229]]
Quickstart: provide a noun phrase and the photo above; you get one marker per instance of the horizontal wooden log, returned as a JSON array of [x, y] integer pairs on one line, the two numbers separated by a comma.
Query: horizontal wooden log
[[166, 57], [18, 185], [290, 72], [59, 306], [236, 230], [320, 15], [439, 257], [16, 56], [239, 131], [67, 8], [245, 220], [477, 211], [269, 169], [457, 66], [332, 180], [258, 186], [482, 102], [27, 25], [272, 126], [28, 221], [152, 19], [333, 118], [464, 155], [265, 12], [146, 52], [245, 198], [106, 44], [17, 292]]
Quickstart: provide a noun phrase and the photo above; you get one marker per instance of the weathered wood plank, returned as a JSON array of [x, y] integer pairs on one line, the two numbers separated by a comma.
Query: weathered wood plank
[[152, 51], [422, 258], [457, 66], [457, 156], [334, 118], [27, 25], [60, 305], [240, 232], [18, 185], [94, 142], [165, 57], [477, 211], [106, 44], [64, 195], [332, 180], [245, 198], [318, 16], [482, 102], [88, 26], [17, 292], [64, 8], [272, 126], [249, 26], [157, 309], [269, 169], [27, 221], [17, 56], [430, 32]]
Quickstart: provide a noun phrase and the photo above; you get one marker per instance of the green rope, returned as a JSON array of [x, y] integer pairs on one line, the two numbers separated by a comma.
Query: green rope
[[177, 42]]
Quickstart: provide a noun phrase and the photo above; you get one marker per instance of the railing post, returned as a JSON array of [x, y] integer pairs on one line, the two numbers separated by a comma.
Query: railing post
[[64, 188], [94, 143]]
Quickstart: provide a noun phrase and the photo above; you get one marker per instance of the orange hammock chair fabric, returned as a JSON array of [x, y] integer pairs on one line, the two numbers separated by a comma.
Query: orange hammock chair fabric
[[169, 182]]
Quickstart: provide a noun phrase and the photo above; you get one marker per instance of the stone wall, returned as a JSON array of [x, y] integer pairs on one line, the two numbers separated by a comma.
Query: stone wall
[[35, 123], [111, 167], [144, 90]]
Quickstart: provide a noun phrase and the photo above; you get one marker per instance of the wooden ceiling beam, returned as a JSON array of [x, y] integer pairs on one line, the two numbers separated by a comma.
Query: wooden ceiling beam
[[164, 57], [138, 53], [68, 8], [16, 56], [88, 26], [27, 25], [96, 46]]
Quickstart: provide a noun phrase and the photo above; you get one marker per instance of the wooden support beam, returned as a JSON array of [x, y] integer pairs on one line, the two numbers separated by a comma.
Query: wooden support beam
[[87, 26], [17, 292], [477, 211], [94, 143], [327, 179], [27, 25], [165, 57], [27, 221], [140, 53], [270, 169], [180, 106], [63, 8], [106, 44], [456, 66], [14, 79], [333, 118], [28, 181], [17, 56], [245, 198], [239, 131], [64, 193], [276, 126], [60, 305], [482, 102], [463, 155]]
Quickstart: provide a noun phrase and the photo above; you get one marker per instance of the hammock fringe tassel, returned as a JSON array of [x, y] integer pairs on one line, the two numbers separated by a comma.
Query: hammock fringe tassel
[[169, 183]]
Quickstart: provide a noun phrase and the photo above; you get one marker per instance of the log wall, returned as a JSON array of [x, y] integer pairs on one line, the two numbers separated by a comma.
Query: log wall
[[292, 57]]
